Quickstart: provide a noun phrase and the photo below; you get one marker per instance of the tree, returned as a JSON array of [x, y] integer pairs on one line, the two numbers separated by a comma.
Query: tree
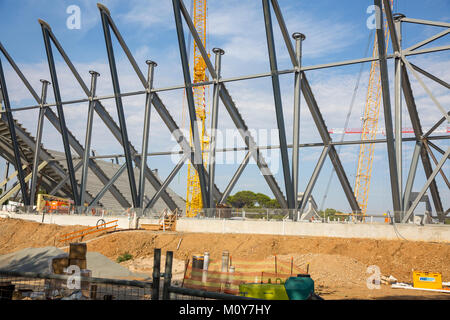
[[249, 199]]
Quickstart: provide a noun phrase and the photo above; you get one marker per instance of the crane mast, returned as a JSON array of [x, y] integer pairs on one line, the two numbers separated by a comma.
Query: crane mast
[[370, 128], [193, 194]]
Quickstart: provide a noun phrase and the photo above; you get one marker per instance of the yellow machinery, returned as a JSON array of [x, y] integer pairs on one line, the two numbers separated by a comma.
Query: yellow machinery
[[427, 280], [193, 194], [370, 127]]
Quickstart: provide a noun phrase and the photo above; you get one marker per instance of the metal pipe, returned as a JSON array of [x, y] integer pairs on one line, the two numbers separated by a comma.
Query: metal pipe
[[146, 130], [12, 132], [87, 144], [278, 104], [411, 175], [299, 37], [214, 121], [37, 150], [119, 106]]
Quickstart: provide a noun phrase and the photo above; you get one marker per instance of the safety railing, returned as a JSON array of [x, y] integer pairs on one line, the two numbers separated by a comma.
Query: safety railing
[[80, 234]]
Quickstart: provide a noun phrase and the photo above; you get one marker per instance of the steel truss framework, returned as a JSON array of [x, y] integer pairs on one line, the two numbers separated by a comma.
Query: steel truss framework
[[210, 193]]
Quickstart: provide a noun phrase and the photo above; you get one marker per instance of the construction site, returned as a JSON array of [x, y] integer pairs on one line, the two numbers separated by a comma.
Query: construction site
[[107, 220]]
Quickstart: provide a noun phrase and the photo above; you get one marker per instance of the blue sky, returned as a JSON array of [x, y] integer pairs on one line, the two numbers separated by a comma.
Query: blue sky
[[335, 31]]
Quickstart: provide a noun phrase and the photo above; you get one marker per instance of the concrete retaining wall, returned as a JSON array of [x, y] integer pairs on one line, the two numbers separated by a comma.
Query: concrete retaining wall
[[435, 233], [429, 233]]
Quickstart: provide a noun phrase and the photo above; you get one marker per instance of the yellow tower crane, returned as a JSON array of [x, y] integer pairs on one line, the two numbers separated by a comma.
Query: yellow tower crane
[[193, 194], [370, 127]]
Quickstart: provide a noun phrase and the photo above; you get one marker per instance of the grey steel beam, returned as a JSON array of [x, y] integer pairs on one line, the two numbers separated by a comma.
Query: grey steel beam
[[37, 150], [425, 187], [437, 124], [299, 37], [430, 152], [146, 131], [214, 122], [106, 187], [12, 132], [396, 202], [396, 37], [119, 107], [417, 127], [109, 122], [197, 40], [278, 104], [251, 145], [390, 21], [313, 180], [284, 31], [54, 120], [6, 174], [235, 178], [63, 181], [62, 121], [429, 75], [427, 22], [426, 41], [427, 90], [191, 104], [88, 138], [334, 157], [166, 182], [435, 147], [411, 175]]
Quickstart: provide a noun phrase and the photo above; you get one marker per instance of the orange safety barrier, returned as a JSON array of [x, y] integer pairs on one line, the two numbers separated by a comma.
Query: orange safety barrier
[[81, 233]]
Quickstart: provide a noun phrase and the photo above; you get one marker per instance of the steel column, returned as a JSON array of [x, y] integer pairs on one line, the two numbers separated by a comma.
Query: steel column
[[37, 150], [12, 132], [62, 120], [299, 37], [214, 121], [191, 104], [395, 189], [146, 130], [87, 144], [119, 106], [278, 104]]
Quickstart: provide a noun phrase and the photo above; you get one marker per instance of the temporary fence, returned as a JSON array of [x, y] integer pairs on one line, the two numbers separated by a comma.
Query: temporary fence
[[35, 286], [227, 280], [80, 234]]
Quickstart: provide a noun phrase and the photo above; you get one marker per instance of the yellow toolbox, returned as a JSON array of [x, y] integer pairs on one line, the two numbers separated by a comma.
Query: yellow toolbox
[[427, 280]]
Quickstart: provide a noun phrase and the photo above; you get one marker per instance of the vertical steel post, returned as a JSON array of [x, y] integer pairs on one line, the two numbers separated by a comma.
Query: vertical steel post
[[156, 273], [146, 131], [59, 107], [214, 120], [87, 144], [398, 105], [39, 130], [167, 275], [6, 174], [299, 37], [278, 104], [382, 56], [198, 158], [12, 132], [119, 106]]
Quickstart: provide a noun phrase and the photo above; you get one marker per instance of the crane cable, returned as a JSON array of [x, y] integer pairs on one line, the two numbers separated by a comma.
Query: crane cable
[[355, 91]]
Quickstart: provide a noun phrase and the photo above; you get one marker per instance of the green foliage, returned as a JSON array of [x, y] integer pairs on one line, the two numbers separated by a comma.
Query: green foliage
[[329, 212], [124, 257], [249, 199]]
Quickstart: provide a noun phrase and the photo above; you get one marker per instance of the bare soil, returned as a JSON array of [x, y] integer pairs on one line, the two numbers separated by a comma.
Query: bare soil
[[337, 265]]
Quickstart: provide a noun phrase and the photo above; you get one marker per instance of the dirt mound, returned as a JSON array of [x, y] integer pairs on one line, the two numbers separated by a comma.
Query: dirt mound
[[334, 263]]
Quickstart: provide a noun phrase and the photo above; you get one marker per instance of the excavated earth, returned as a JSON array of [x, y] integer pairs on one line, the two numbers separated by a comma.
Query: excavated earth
[[338, 266]]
